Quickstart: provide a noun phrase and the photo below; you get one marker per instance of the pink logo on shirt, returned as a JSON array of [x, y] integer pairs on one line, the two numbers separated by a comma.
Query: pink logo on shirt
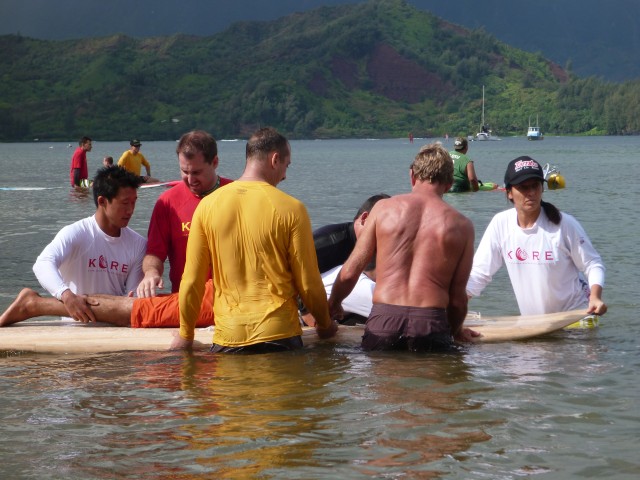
[[521, 254], [535, 255], [102, 263]]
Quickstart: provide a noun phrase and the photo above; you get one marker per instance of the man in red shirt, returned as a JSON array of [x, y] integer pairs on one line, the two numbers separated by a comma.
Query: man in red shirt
[[79, 170], [171, 218]]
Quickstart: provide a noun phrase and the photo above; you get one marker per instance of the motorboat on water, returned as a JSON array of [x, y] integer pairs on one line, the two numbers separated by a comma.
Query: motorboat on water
[[534, 132]]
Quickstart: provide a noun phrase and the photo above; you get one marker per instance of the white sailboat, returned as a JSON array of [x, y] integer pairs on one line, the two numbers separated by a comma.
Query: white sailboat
[[485, 132]]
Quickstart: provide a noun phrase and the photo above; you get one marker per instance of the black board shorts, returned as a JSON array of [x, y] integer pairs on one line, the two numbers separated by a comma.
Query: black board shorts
[[282, 345], [416, 329]]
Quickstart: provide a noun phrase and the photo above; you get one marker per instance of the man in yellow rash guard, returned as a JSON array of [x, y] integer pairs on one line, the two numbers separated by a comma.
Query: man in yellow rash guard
[[257, 242]]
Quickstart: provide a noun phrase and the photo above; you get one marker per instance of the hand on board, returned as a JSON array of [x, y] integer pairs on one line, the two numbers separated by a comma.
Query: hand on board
[[466, 335]]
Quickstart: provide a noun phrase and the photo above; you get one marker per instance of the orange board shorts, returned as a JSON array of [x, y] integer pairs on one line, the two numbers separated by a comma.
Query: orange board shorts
[[163, 311]]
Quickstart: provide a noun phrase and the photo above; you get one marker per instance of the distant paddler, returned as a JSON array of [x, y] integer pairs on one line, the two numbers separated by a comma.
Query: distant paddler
[[132, 160], [464, 173]]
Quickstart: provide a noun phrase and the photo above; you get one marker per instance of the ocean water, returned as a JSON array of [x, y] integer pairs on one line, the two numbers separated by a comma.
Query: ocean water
[[560, 406]]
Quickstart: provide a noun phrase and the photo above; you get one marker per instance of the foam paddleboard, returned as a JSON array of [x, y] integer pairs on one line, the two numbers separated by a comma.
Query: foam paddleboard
[[484, 187], [487, 186], [60, 336]]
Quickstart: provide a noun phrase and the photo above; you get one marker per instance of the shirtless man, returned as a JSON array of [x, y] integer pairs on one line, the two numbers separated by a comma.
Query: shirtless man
[[424, 252]]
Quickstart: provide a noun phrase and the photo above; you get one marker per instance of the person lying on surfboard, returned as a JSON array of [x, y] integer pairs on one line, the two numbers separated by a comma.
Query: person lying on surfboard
[[424, 252], [123, 311], [335, 242], [547, 253], [161, 311], [357, 305]]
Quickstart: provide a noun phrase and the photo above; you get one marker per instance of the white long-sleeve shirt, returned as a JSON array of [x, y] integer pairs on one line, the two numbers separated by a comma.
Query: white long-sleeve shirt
[[544, 262], [86, 260]]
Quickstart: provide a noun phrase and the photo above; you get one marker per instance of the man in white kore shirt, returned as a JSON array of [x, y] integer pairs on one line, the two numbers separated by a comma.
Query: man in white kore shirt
[[98, 254]]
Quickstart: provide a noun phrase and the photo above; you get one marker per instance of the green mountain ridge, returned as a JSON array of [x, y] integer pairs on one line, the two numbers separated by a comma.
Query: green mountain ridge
[[376, 69]]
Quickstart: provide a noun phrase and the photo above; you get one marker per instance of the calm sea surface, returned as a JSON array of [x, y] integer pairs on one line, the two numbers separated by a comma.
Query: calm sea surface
[[562, 406]]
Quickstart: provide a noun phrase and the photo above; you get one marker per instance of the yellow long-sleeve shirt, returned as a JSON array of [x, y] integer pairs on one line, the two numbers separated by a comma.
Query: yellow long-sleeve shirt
[[257, 241]]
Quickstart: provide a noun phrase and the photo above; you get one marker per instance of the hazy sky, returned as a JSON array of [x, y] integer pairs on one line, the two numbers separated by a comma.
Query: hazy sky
[[61, 19], [600, 37]]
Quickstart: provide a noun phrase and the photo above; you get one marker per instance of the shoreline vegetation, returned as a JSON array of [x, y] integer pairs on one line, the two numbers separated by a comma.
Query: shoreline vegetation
[[435, 138], [379, 69]]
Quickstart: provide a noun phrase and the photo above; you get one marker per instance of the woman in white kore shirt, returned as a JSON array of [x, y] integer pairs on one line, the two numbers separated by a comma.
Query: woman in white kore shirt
[[552, 265]]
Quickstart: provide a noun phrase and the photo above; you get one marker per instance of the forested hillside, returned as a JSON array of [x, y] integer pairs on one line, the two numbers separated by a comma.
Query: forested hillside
[[378, 69]]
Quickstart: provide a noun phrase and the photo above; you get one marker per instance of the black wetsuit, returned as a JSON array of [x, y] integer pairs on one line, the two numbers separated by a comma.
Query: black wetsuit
[[334, 243]]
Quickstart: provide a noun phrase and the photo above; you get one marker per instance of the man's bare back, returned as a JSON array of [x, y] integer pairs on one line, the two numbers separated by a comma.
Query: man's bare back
[[421, 242], [423, 246]]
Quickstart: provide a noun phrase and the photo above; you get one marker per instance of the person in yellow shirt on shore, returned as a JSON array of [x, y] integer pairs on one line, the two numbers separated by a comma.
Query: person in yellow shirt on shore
[[259, 247], [132, 160]]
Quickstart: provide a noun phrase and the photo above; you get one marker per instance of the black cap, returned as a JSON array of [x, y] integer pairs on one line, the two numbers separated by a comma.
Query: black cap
[[460, 143], [521, 169], [135, 143]]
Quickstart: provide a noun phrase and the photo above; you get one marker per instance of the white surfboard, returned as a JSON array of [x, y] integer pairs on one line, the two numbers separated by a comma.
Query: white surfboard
[[172, 183], [27, 188], [59, 336], [520, 327]]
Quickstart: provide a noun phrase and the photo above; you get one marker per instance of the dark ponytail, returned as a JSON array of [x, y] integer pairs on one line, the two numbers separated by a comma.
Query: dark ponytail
[[552, 213]]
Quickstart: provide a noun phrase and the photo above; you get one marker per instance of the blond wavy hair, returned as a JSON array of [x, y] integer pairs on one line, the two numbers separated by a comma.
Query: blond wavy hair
[[433, 164]]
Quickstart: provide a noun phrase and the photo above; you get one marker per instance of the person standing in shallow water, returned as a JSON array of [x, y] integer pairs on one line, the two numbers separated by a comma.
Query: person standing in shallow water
[[132, 160], [79, 171], [552, 265], [464, 173], [257, 241], [424, 251]]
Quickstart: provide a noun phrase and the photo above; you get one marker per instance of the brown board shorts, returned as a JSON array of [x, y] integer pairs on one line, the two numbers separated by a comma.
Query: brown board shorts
[[397, 327]]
